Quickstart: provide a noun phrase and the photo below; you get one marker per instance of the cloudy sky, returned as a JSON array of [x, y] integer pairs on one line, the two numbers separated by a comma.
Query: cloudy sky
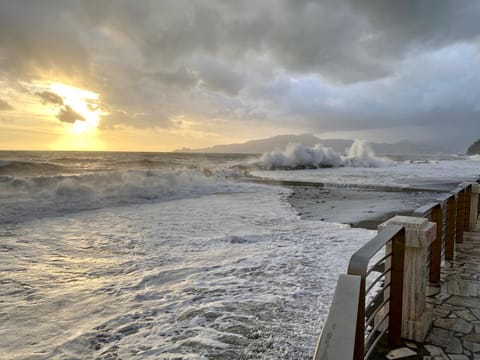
[[161, 75]]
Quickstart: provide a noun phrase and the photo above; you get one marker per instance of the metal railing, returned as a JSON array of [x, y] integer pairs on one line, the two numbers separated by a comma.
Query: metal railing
[[370, 316], [372, 298]]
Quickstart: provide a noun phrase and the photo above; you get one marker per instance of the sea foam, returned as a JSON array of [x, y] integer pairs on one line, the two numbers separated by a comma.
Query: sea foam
[[24, 197], [297, 156]]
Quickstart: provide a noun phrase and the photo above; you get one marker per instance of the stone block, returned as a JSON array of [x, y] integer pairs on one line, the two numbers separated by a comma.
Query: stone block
[[436, 352], [457, 357], [463, 301], [455, 346], [466, 315], [440, 337], [458, 285], [472, 342], [400, 353], [456, 325]]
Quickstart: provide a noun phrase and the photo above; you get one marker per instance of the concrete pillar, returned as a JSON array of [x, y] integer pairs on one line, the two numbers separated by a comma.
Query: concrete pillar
[[417, 314], [474, 207]]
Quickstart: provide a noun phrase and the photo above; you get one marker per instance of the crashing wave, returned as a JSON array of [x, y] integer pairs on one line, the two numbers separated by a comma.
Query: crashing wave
[[297, 156], [24, 196]]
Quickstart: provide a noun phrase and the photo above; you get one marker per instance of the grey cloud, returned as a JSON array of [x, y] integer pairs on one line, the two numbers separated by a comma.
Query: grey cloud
[[48, 97], [5, 105], [219, 76], [321, 65], [182, 77], [68, 115], [420, 23], [121, 118], [344, 41], [41, 36]]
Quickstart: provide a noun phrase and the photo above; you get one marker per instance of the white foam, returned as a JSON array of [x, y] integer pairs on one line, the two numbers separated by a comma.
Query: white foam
[[27, 197], [222, 276], [403, 174], [361, 154], [297, 156]]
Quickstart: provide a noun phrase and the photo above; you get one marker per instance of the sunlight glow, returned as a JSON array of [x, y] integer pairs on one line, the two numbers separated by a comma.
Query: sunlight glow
[[83, 102]]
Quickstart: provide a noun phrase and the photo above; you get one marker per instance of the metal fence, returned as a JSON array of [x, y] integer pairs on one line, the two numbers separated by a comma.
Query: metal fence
[[365, 296]]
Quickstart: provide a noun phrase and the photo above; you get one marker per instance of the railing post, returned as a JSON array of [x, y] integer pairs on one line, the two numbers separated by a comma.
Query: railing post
[[474, 207], [468, 201], [478, 203], [416, 314], [459, 221], [450, 235], [436, 247], [396, 289], [360, 334]]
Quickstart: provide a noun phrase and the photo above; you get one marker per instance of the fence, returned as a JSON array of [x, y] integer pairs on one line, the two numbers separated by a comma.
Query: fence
[[373, 296]]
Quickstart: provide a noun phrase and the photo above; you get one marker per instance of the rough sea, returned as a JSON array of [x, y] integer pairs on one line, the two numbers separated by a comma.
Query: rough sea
[[173, 256]]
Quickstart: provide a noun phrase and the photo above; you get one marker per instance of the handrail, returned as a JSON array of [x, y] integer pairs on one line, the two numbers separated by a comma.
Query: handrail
[[337, 340], [359, 266], [451, 213], [340, 311]]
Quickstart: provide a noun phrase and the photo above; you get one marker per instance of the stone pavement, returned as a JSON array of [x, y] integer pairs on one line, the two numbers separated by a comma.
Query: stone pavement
[[455, 333], [456, 313]]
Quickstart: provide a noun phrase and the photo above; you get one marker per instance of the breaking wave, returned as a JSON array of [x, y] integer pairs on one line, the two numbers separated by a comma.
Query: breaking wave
[[12, 167], [297, 156], [26, 197]]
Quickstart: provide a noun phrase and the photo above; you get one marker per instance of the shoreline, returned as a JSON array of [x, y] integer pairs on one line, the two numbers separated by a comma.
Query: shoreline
[[359, 208]]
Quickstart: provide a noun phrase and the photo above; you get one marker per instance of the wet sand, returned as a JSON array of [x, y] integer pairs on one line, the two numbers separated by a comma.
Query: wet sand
[[357, 207]]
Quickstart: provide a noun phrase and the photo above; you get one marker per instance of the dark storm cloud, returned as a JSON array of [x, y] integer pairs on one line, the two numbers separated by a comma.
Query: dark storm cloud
[[318, 65], [68, 115], [5, 105]]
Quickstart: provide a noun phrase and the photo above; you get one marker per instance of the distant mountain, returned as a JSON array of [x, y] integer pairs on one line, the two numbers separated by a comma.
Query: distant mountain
[[339, 145], [474, 149]]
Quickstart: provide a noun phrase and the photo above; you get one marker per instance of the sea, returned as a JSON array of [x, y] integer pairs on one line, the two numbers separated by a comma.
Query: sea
[[179, 256]]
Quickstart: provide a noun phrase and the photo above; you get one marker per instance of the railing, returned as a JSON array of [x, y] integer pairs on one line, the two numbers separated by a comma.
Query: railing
[[370, 316], [369, 302]]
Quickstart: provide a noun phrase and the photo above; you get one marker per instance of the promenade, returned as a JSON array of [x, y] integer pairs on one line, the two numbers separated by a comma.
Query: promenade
[[455, 332], [428, 306]]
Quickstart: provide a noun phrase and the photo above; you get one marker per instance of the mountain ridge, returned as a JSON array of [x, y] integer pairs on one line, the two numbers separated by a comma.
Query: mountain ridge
[[259, 146]]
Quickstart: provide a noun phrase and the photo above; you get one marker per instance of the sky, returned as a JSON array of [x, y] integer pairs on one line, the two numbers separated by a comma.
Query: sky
[[162, 75]]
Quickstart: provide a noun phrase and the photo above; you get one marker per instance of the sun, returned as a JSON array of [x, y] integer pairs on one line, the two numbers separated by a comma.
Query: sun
[[83, 102]]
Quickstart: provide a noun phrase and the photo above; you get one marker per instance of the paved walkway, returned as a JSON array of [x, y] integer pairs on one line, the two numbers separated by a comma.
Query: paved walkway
[[455, 333]]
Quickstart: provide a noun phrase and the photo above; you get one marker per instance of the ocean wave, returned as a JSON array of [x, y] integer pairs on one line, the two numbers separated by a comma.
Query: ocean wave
[[24, 197], [26, 168], [297, 156]]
